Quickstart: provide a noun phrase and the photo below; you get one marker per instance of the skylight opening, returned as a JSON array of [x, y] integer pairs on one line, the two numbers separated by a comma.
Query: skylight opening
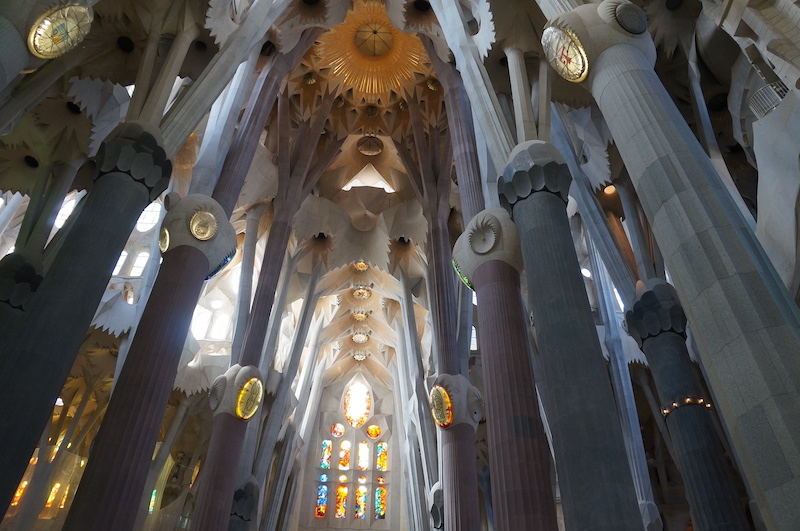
[[369, 177]]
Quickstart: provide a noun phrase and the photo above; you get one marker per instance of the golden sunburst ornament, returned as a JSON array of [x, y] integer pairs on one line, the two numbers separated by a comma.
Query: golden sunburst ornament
[[369, 54]]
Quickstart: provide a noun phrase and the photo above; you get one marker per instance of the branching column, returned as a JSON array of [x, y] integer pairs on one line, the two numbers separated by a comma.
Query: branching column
[[594, 477], [519, 457], [658, 325], [747, 325], [40, 344], [117, 470]]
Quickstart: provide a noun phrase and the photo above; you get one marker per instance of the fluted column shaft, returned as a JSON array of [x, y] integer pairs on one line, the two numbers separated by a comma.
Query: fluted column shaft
[[518, 451], [459, 473], [213, 506], [111, 487], [594, 478], [39, 347], [719, 269], [698, 452]]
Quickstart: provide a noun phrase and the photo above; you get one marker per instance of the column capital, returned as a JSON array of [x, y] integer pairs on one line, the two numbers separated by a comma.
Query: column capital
[[20, 276], [237, 392], [656, 309], [198, 221], [591, 29], [455, 401], [489, 236], [533, 166], [136, 149]]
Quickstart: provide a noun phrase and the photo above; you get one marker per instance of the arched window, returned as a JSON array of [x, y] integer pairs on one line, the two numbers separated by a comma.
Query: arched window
[[358, 440]]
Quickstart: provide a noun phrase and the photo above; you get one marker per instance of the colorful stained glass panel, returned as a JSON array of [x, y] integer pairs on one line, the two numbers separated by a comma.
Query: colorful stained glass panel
[[337, 430], [380, 503], [322, 501], [344, 455], [325, 455], [361, 503], [382, 458], [341, 501], [374, 431]]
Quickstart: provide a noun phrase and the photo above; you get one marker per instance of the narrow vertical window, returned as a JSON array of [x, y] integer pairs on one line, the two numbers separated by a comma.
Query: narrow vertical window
[[325, 457], [344, 455], [380, 503], [361, 503], [322, 501], [363, 456], [382, 457], [341, 501]]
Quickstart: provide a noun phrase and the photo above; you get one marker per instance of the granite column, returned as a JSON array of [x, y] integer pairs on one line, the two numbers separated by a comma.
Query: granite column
[[596, 487]]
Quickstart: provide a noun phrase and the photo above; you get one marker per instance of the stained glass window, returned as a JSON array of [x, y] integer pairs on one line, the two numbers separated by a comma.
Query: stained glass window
[[337, 430], [344, 455], [382, 460], [363, 456], [357, 404], [380, 503], [362, 479], [323, 478], [325, 457], [381, 480], [322, 501], [361, 503], [374, 431], [341, 501]]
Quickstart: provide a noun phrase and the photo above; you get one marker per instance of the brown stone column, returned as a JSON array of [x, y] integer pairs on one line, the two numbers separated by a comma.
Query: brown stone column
[[522, 492], [111, 488]]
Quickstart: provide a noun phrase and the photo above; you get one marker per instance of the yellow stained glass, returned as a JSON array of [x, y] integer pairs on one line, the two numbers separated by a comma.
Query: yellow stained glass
[[363, 456], [361, 503], [64, 498], [344, 455], [341, 501], [52, 497], [374, 431], [382, 459], [19, 493], [357, 404]]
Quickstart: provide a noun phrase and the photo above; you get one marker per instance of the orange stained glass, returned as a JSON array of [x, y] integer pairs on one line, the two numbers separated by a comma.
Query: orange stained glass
[[19, 493], [382, 459], [363, 456], [357, 404], [52, 497], [341, 501], [344, 455], [381, 480], [337, 430], [322, 501], [64, 498], [380, 503], [374, 431], [361, 503]]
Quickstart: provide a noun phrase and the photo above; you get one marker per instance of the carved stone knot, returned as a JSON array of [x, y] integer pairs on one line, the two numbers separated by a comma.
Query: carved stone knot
[[200, 222], [135, 148], [489, 236], [461, 402], [533, 166], [20, 276], [656, 309]]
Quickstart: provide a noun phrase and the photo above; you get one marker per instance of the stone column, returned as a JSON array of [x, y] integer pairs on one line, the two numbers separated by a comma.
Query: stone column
[[196, 239], [521, 91], [594, 477], [457, 408], [523, 498], [41, 340], [658, 325], [213, 506], [747, 324]]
